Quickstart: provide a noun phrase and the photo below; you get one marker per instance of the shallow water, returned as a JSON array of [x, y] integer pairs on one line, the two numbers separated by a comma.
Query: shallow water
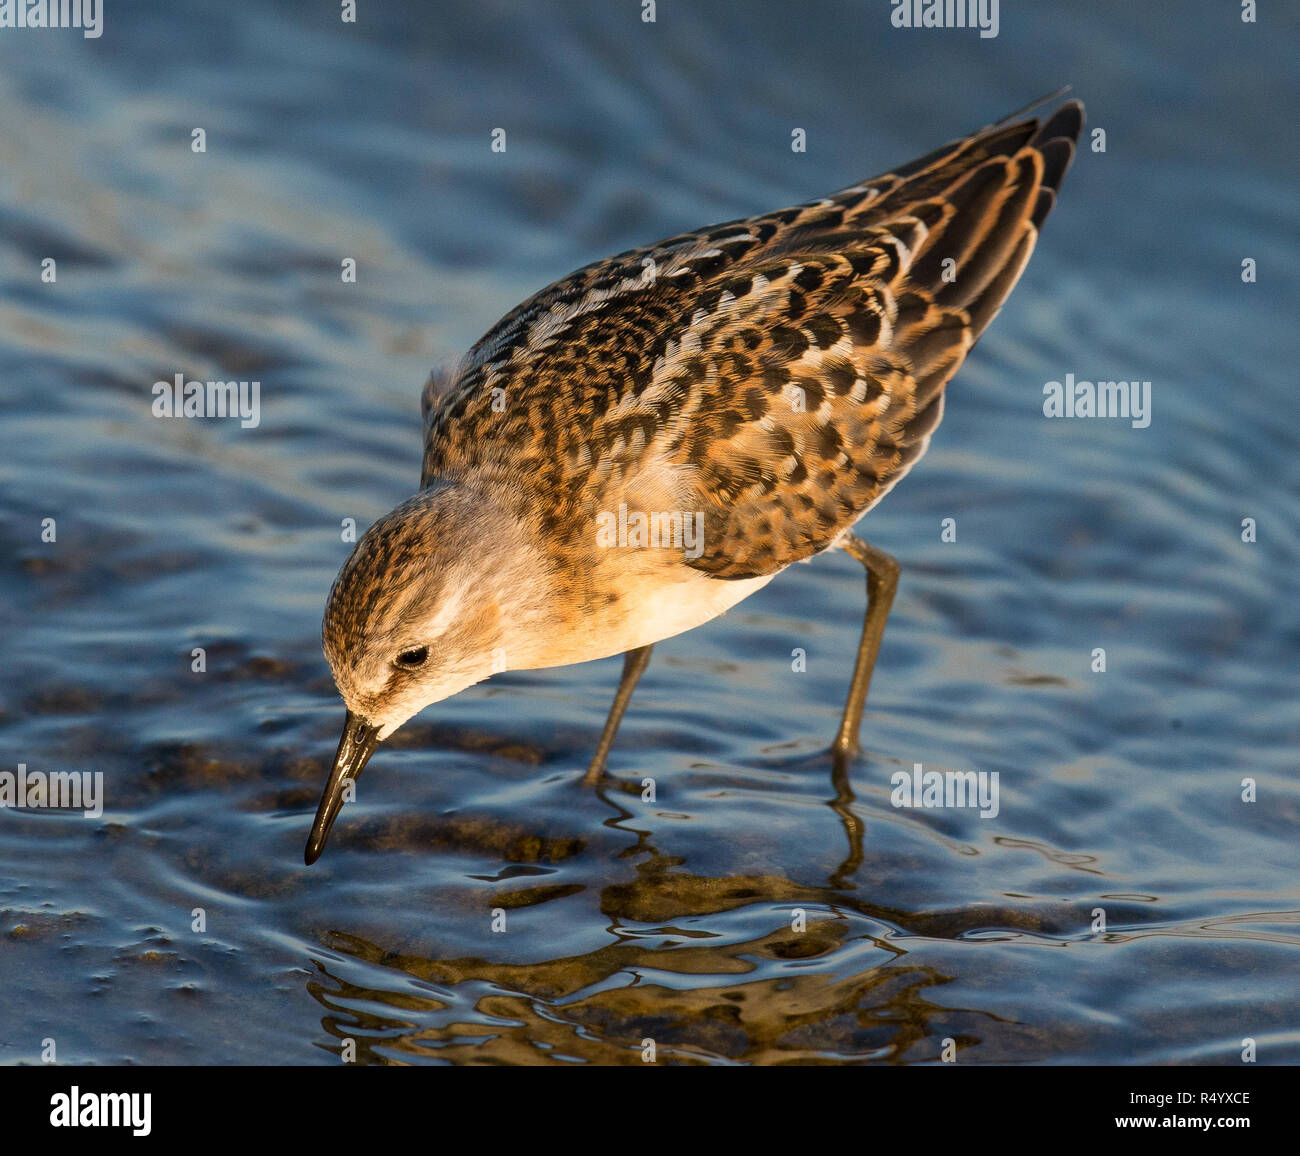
[[627, 919]]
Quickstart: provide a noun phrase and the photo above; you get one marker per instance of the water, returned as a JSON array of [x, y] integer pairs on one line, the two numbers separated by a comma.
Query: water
[[628, 919]]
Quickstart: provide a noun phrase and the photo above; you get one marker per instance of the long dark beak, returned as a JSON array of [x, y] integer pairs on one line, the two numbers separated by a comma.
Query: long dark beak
[[355, 748]]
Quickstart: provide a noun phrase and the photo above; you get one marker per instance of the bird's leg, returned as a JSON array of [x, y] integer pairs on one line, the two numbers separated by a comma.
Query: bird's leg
[[882, 581], [634, 664], [842, 805]]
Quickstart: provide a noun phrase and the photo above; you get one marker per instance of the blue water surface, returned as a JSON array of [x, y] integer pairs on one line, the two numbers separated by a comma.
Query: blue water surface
[[1125, 905]]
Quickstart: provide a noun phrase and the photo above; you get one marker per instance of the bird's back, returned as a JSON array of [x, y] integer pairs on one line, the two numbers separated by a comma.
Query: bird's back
[[777, 374]]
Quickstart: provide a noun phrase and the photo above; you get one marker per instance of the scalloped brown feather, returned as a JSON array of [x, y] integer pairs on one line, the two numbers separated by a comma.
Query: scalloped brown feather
[[778, 373]]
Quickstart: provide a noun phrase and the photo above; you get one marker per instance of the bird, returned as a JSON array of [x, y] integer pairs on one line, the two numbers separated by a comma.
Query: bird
[[644, 443]]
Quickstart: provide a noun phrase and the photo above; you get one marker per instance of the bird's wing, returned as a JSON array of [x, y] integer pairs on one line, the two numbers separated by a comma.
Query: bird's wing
[[784, 370], [550, 374], [835, 357]]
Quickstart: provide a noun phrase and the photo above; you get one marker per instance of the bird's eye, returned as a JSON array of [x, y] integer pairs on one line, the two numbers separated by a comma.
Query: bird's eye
[[413, 657]]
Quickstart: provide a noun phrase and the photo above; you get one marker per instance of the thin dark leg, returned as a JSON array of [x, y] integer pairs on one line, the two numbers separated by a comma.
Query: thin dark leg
[[634, 664], [842, 805], [882, 581]]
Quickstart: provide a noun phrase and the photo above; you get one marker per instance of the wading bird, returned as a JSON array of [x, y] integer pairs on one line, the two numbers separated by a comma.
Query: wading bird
[[770, 379]]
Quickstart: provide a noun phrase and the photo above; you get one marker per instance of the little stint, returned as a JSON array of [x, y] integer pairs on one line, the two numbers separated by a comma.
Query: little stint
[[641, 445]]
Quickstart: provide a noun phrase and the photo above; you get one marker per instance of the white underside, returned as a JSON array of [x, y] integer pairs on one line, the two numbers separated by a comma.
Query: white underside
[[690, 602]]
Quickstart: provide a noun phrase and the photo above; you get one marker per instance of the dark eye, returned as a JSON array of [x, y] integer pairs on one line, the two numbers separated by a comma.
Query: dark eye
[[413, 657]]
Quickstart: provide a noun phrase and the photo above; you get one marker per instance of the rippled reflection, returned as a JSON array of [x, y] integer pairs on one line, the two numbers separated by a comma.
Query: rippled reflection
[[776, 998]]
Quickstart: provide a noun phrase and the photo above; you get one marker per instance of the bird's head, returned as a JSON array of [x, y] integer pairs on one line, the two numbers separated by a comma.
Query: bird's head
[[423, 608]]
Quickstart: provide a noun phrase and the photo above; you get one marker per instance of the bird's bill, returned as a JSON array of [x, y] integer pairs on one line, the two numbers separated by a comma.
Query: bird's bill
[[355, 748]]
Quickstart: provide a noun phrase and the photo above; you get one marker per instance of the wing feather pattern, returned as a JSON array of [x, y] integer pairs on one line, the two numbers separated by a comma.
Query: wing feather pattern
[[779, 373]]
